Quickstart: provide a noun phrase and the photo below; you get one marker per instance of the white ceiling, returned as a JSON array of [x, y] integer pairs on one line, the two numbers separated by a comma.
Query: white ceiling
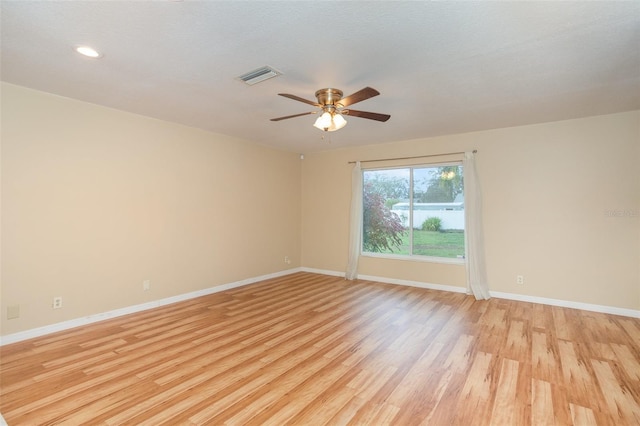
[[441, 67]]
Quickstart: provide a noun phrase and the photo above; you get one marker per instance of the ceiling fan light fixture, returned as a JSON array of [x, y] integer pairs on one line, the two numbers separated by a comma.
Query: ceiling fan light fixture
[[323, 122], [330, 122], [339, 121]]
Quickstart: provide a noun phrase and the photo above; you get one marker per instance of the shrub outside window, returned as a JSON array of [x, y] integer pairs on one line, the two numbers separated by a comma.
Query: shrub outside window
[[414, 211]]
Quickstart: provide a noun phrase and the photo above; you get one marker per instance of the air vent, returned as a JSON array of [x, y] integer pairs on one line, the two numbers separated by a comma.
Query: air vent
[[261, 74]]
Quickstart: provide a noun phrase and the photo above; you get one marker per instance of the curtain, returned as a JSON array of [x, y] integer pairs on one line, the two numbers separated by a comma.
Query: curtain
[[474, 237], [355, 228]]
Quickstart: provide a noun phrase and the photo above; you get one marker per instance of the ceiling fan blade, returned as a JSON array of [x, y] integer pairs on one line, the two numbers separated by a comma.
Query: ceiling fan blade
[[365, 114], [298, 98], [359, 96], [292, 116]]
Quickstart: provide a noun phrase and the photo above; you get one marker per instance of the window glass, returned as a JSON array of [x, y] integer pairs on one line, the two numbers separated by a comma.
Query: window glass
[[414, 211]]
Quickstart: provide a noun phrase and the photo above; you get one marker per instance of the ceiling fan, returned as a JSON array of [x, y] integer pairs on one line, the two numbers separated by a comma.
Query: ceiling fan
[[333, 106]]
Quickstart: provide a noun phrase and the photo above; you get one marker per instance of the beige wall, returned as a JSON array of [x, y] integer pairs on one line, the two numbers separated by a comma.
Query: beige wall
[[94, 201], [546, 191]]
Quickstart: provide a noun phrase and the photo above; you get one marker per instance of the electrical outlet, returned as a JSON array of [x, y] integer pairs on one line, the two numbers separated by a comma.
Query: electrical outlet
[[146, 285], [57, 302], [519, 279], [287, 260]]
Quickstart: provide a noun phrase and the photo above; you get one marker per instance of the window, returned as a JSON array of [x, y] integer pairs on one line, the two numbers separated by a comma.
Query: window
[[414, 212]]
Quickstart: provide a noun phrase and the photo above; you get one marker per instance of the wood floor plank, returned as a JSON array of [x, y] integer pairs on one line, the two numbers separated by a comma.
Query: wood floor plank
[[582, 416], [505, 406], [312, 349], [475, 399], [542, 403], [620, 402], [629, 363]]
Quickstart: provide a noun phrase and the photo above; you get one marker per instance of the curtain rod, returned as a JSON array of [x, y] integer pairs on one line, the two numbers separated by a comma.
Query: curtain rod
[[411, 158]]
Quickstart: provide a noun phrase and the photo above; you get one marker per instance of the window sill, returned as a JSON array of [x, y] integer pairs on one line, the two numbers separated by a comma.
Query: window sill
[[425, 259]]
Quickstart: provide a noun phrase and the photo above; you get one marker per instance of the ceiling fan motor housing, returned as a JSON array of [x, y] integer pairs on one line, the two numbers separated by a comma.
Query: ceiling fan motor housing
[[329, 96]]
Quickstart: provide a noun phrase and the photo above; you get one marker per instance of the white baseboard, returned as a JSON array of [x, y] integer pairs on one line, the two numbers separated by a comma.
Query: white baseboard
[[385, 280], [497, 294], [322, 272], [568, 304], [65, 325]]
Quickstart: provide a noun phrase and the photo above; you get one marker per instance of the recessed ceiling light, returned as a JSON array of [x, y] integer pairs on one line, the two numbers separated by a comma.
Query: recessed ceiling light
[[88, 51]]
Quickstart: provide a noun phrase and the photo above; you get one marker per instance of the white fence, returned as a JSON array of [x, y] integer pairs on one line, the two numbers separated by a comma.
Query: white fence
[[451, 214]]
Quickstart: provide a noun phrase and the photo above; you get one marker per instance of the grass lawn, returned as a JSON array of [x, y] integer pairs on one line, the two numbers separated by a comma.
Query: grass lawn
[[430, 243]]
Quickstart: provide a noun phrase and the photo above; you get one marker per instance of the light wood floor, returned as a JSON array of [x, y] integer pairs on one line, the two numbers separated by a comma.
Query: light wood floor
[[310, 349]]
